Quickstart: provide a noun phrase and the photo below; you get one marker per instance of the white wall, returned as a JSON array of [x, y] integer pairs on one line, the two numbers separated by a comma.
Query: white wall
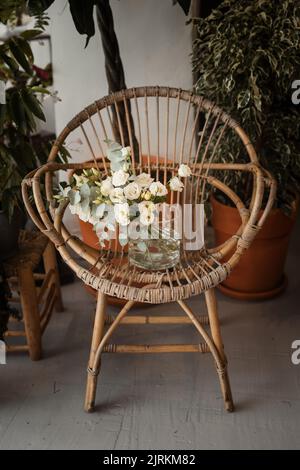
[[42, 57], [155, 44]]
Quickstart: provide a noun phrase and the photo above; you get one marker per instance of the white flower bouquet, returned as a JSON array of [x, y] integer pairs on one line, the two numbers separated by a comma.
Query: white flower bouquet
[[120, 198]]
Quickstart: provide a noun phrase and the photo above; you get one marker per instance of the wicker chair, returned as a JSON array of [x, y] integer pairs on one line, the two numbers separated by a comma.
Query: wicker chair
[[165, 122]]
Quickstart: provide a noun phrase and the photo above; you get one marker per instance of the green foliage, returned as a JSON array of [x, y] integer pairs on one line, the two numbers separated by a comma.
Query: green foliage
[[82, 12], [247, 55], [25, 86]]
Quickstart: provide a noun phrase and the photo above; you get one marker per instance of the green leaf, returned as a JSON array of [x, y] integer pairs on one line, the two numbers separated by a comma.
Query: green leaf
[[123, 240], [74, 197], [100, 210], [17, 111], [20, 56], [12, 64], [3, 111], [82, 14], [36, 6], [26, 48], [40, 89], [85, 191], [26, 155], [33, 104], [185, 5], [142, 246], [243, 99], [31, 122], [31, 33]]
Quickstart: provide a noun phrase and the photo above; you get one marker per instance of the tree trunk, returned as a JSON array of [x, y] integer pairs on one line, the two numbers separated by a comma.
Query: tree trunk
[[114, 71]]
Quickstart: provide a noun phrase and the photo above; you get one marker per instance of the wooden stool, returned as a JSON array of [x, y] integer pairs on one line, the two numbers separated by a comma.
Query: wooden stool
[[37, 301]]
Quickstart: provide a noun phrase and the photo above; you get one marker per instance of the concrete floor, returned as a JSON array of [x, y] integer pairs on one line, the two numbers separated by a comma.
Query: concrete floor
[[160, 402]]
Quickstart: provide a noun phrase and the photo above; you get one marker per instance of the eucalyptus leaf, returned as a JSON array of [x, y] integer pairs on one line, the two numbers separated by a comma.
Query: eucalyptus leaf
[[100, 210], [85, 191], [74, 197], [123, 240], [142, 246]]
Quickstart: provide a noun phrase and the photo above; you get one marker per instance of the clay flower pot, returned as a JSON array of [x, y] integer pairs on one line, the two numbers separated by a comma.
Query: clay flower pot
[[260, 272]]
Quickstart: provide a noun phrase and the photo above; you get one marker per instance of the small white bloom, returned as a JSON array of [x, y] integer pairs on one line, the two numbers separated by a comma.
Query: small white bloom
[[144, 180], [184, 170], [176, 184], [132, 191], [106, 186], [120, 178], [122, 213], [117, 195], [9, 31], [126, 151], [147, 217], [158, 189]]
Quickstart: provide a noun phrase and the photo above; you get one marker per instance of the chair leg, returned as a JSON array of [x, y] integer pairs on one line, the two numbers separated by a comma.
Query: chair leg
[[211, 303], [30, 312], [92, 375], [50, 262]]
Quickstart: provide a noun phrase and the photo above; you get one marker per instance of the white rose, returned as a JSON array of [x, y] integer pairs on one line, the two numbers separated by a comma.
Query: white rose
[[144, 180], [126, 151], [106, 186], [158, 189], [147, 217], [132, 191], [146, 206], [176, 184], [120, 178], [83, 215], [117, 195], [122, 213], [184, 170]]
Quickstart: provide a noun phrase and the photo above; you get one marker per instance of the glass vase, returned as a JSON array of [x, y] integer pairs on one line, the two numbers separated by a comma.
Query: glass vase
[[158, 250]]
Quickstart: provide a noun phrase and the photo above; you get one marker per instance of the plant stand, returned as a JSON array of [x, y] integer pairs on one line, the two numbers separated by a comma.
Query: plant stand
[[37, 293]]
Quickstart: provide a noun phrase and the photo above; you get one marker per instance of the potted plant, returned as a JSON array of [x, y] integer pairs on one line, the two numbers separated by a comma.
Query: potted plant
[[247, 55], [23, 87]]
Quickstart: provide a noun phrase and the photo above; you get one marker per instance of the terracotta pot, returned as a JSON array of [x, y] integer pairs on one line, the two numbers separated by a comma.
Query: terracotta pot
[[260, 272]]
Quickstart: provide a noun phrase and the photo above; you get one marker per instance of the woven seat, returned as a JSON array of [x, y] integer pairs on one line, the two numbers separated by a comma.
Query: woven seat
[[193, 275], [164, 128]]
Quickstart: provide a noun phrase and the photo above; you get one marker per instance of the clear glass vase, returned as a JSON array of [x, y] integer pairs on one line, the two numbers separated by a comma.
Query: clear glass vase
[[159, 250]]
